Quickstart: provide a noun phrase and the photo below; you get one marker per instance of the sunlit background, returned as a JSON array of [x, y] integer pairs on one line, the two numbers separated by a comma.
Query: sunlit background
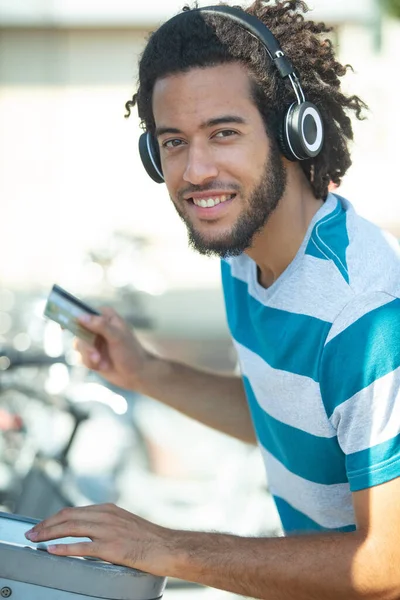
[[77, 209]]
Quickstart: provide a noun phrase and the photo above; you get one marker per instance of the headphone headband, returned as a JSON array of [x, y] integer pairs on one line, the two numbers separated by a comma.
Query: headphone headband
[[260, 31]]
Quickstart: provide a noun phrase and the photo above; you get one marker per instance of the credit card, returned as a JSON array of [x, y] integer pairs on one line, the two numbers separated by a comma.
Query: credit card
[[63, 308]]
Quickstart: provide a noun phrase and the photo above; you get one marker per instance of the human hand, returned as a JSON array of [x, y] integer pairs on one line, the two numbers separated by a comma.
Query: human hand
[[117, 354], [117, 535]]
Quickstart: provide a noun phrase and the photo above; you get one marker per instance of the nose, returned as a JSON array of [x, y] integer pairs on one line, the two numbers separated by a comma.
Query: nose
[[200, 164]]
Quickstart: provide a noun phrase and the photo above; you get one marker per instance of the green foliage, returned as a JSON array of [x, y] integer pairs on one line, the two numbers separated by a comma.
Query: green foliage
[[393, 7]]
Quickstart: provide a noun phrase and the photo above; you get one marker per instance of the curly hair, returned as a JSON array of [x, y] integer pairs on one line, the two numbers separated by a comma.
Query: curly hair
[[199, 39]]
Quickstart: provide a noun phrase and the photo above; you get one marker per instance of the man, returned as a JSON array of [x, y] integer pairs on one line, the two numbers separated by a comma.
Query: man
[[312, 298]]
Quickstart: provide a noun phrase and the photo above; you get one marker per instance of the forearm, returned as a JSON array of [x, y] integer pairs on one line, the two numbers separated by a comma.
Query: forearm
[[214, 399], [312, 567]]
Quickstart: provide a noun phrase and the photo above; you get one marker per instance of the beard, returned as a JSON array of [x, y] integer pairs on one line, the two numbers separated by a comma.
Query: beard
[[262, 202]]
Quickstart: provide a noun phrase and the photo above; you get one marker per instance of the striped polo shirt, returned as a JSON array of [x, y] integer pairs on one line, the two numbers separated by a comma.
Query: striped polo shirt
[[319, 352]]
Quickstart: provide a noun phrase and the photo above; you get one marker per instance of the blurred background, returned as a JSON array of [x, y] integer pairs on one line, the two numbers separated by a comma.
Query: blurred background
[[77, 209]]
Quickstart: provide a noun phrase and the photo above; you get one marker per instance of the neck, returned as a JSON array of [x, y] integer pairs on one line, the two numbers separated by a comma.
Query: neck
[[276, 245]]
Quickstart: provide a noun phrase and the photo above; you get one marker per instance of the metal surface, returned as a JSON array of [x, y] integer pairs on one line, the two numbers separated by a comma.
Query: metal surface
[[23, 563]]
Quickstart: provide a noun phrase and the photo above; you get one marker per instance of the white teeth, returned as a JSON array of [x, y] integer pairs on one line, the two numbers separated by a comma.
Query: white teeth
[[210, 202]]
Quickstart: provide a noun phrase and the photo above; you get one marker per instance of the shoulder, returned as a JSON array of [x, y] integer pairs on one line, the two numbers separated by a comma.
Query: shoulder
[[365, 256], [372, 254]]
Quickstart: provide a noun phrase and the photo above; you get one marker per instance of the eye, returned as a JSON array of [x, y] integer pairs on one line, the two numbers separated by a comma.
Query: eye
[[225, 133], [172, 143]]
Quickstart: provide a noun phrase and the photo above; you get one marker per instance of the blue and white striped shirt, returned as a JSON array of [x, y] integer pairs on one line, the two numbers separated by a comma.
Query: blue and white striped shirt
[[319, 352]]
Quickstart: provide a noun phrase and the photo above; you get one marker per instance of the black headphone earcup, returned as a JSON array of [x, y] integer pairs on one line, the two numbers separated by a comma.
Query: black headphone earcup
[[302, 131], [150, 155], [282, 140]]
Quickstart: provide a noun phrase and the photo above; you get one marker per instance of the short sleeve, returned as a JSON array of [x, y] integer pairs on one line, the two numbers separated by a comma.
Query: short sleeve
[[360, 388]]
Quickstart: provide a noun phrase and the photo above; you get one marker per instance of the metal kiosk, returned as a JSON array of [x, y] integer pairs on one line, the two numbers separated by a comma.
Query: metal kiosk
[[30, 573]]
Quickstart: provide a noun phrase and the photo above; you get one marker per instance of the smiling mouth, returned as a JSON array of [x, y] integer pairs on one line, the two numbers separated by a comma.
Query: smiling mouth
[[211, 201]]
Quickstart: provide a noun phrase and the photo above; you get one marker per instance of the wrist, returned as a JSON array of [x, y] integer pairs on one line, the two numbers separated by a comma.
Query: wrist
[[147, 374], [194, 555], [177, 562]]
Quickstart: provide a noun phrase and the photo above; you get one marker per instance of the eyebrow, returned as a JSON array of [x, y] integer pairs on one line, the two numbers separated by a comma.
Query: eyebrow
[[210, 123]]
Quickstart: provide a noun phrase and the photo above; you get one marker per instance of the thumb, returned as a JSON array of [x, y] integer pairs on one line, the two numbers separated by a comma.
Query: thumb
[[101, 325]]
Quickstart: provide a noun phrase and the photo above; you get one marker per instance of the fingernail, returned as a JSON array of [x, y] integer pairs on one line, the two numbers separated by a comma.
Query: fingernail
[[85, 318], [31, 535], [52, 548]]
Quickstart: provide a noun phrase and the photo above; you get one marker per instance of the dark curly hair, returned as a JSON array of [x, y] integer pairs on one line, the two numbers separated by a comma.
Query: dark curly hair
[[202, 40]]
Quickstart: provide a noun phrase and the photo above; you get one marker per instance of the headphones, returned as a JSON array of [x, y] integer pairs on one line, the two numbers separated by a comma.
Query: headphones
[[301, 132]]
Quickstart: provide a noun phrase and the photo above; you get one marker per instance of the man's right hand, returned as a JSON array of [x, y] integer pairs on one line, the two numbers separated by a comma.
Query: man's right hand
[[215, 399], [117, 354]]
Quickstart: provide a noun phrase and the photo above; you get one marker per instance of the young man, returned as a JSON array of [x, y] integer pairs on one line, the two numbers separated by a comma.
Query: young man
[[312, 298]]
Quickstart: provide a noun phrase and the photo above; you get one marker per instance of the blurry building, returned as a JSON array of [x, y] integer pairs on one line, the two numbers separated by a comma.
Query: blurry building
[[69, 167]]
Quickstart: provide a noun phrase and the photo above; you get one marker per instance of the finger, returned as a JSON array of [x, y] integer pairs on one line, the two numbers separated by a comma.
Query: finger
[[91, 356], [82, 511], [113, 318], [88, 550], [110, 313], [108, 327], [67, 529], [81, 549], [65, 516], [81, 346], [100, 356], [84, 349], [92, 359]]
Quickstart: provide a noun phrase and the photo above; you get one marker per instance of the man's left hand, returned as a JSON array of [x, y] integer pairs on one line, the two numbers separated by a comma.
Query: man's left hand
[[117, 535]]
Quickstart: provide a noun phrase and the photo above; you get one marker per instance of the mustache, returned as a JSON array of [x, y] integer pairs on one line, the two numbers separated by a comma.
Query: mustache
[[216, 185]]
